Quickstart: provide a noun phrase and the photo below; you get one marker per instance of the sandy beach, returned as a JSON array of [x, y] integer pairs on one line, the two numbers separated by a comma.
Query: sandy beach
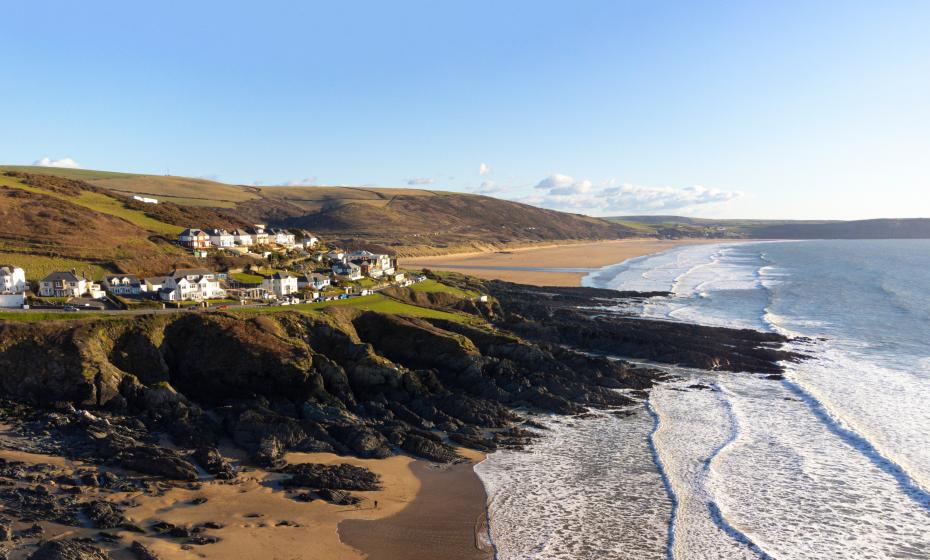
[[423, 508], [446, 520], [553, 265]]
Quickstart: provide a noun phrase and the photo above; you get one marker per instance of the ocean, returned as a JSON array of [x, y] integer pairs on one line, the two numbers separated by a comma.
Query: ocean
[[831, 462]]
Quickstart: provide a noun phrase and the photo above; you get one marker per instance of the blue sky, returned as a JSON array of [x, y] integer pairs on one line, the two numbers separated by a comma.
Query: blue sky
[[725, 109]]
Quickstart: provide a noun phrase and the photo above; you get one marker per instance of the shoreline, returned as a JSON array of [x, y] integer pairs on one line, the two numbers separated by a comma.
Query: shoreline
[[551, 265], [446, 520]]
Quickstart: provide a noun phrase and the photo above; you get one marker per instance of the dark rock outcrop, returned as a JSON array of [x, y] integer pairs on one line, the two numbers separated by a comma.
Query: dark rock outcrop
[[68, 550], [333, 477]]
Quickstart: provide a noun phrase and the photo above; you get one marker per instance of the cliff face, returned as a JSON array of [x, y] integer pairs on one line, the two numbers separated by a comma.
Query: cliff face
[[352, 382], [344, 381]]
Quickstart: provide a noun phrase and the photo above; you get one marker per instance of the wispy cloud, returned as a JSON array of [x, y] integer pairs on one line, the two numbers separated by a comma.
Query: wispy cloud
[[563, 192], [420, 181], [488, 187], [484, 169], [63, 162], [305, 182]]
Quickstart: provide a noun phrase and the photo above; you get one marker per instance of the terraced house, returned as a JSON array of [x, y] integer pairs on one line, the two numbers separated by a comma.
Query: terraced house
[[194, 239], [221, 238]]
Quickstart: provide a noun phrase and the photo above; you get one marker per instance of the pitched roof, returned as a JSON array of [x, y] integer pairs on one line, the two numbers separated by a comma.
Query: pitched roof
[[179, 272], [190, 232], [59, 276], [282, 275], [156, 280], [131, 277]]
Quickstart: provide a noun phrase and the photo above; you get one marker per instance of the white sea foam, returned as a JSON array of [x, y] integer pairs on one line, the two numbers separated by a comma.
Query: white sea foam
[[832, 462], [799, 489], [587, 490]]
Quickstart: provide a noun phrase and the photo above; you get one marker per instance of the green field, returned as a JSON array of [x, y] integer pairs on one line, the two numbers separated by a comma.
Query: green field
[[432, 286], [37, 316], [38, 266], [246, 278], [374, 302], [76, 174], [104, 204]]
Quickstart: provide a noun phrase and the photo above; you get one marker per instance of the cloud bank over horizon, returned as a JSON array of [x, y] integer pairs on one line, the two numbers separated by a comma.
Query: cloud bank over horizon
[[63, 162], [564, 192]]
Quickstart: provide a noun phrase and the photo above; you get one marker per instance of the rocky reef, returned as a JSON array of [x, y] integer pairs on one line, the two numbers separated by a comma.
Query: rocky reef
[[114, 391]]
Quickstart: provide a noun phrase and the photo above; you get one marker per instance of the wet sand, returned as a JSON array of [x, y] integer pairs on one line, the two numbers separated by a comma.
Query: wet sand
[[555, 265], [424, 511], [446, 521]]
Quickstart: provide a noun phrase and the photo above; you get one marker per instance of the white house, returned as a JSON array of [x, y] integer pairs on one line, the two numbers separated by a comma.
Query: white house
[[309, 241], [122, 285], [12, 280], [373, 264], [191, 284], [259, 235], [62, 284], [154, 284], [242, 238], [348, 271], [144, 199], [314, 281], [284, 238], [336, 255], [221, 238], [281, 284]]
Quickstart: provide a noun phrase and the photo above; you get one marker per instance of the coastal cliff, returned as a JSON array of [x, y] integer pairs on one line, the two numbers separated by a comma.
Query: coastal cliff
[[159, 395]]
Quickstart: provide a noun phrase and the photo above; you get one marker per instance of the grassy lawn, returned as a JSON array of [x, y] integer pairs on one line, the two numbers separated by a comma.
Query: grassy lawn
[[374, 302], [246, 278], [38, 266], [432, 286], [36, 316], [104, 204]]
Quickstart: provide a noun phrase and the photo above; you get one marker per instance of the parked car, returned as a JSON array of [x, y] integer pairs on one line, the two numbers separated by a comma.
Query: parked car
[[69, 308]]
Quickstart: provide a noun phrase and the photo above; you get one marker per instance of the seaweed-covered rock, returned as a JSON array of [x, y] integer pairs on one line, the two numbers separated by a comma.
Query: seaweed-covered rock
[[429, 449], [68, 550], [335, 477]]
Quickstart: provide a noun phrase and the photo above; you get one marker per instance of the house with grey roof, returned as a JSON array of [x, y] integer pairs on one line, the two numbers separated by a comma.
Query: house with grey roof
[[281, 284]]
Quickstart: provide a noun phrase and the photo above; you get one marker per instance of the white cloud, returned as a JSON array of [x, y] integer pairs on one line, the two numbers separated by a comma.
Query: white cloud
[[420, 181], [558, 184], [484, 169], [63, 162], [305, 182], [564, 192], [488, 187]]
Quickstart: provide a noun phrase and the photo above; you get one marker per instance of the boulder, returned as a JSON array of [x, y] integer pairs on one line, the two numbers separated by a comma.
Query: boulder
[[336, 477]]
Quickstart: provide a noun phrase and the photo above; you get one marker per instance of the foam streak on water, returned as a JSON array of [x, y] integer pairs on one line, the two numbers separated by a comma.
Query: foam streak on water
[[831, 462], [588, 490]]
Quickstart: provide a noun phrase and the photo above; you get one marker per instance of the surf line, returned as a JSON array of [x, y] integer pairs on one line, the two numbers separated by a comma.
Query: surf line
[[716, 515], [908, 485], [660, 466]]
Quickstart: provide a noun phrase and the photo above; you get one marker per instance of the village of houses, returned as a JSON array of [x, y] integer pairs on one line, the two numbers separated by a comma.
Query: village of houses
[[315, 274]]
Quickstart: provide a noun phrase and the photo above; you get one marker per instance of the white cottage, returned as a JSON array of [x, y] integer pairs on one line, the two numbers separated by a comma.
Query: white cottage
[[191, 284], [122, 284], [281, 284], [12, 280]]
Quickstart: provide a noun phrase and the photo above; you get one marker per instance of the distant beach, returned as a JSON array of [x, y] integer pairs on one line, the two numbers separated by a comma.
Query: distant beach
[[551, 265]]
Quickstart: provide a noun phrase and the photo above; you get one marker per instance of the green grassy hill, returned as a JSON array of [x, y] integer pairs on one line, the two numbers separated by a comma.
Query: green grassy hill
[[50, 223], [402, 220]]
